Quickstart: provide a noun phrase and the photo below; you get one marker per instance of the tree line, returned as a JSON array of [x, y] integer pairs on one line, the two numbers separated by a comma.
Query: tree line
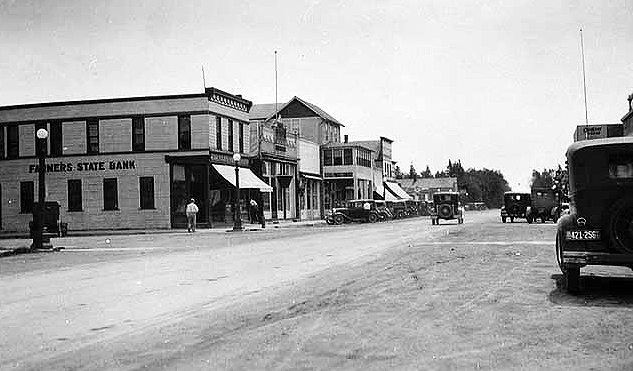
[[486, 185], [475, 185]]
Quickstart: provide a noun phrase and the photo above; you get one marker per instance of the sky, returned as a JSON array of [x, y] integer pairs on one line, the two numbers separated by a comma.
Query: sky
[[494, 84]]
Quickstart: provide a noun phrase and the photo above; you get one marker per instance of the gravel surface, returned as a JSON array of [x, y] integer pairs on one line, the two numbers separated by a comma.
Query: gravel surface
[[403, 295]]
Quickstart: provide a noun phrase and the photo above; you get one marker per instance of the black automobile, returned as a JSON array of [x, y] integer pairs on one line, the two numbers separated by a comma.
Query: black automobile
[[514, 205], [447, 207], [398, 208], [598, 230], [545, 205], [383, 211], [355, 211]]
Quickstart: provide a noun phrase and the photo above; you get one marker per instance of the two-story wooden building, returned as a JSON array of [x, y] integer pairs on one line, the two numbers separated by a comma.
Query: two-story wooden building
[[127, 163], [287, 138]]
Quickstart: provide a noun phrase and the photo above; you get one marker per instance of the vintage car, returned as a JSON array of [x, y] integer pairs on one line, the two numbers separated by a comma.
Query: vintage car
[[355, 211], [415, 207], [514, 205], [383, 211], [598, 230], [545, 205], [446, 206], [398, 208]]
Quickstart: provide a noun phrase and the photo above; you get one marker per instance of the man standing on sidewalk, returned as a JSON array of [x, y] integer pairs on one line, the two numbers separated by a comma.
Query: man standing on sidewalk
[[191, 212]]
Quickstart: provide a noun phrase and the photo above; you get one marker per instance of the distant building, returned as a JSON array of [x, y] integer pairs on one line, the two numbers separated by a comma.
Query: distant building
[[424, 188], [627, 120], [588, 132]]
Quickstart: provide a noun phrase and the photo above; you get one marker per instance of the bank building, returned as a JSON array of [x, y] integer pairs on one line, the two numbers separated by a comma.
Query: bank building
[[128, 163]]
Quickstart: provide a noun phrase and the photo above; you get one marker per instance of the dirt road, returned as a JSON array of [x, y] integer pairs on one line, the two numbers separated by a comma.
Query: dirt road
[[399, 295]]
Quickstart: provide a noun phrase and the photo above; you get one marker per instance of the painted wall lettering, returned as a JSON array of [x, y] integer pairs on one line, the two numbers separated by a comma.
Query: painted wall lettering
[[85, 166]]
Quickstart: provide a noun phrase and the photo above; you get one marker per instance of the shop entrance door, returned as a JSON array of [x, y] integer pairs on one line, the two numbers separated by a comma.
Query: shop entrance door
[[189, 181]]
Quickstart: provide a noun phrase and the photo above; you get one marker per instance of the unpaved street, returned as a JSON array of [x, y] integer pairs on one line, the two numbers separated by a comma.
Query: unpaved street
[[396, 295]]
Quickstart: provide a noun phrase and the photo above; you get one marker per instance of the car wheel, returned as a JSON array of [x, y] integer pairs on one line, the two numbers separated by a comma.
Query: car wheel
[[338, 219], [503, 219], [373, 218], [620, 227]]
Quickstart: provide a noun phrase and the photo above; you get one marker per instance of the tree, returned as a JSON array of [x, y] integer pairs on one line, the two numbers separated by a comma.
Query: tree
[[412, 173], [397, 173], [426, 173], [543, 179]]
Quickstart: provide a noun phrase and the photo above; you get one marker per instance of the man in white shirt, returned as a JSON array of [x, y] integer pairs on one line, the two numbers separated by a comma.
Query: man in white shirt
[[191, 212]]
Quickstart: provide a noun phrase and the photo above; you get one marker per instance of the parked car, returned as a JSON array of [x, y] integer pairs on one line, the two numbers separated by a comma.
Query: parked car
[[355, 211], [544, 206], [598, 229], [447, 207], [514, 205], [383, 211], [398, 208]]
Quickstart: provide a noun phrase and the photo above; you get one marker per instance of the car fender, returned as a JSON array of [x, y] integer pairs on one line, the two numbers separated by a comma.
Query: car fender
[[565, 222]]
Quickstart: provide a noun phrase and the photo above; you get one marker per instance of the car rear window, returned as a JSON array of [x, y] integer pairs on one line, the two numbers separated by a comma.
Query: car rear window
[[621, 167]]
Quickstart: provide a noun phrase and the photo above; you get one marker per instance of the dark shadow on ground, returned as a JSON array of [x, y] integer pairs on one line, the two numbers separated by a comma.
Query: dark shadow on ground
[[595, 291]]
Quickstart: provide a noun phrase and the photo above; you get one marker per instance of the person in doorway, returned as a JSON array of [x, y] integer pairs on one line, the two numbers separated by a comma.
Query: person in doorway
[[191, 211], [254, 215]]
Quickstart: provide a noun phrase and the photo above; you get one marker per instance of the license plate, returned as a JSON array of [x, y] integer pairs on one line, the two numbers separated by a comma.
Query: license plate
[[582, 235]]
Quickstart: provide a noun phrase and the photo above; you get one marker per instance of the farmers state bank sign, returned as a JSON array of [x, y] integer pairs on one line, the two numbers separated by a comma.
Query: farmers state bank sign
[[65, 167]]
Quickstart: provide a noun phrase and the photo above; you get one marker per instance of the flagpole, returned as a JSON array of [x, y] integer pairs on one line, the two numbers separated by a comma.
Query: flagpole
[[584, 83]]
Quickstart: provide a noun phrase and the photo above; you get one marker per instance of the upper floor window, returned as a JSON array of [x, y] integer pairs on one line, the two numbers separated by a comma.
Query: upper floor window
[[138, 134], [184, 132], [241, 139], [230, 135], [327, 157], [347, 156], [1, 142], [55, 136], [338, 157], [218, 133], [92, 130], [13, 142]]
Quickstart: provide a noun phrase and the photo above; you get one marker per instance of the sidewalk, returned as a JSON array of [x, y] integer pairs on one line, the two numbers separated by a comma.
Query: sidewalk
[[15, 242]]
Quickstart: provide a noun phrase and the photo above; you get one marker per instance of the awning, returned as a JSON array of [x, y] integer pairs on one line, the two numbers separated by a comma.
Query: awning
[[395, 188], [380, 191], [308, 176], [248, 180]]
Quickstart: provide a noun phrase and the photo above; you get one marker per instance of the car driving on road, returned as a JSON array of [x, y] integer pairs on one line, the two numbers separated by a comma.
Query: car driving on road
[[514, 205], [355, 211], [599, 227], [447, 207]]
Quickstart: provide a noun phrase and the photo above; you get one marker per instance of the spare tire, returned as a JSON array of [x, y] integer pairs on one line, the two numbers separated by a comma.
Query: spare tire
[[620, 227], [445, 211], [514, 209]]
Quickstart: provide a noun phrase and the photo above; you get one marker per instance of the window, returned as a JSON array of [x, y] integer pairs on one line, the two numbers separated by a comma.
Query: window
[[13, 142], [230, 135], [56, 138], [327, 157], [147, 192], [241, 137], [338, 157], [347, 156], [1, 142], [92, 131], [74, 195], [138, 134], [218, 133], [27, 195], [110, 194], [184, 132]]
